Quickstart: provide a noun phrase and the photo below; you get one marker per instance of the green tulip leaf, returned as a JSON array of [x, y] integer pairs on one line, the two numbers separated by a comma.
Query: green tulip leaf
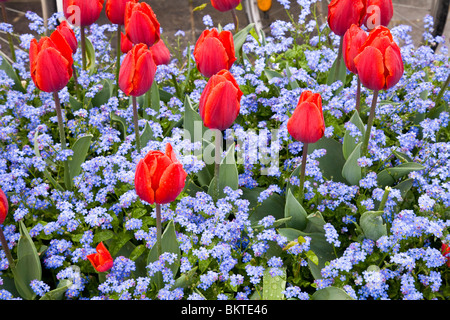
[[388, 176], [240, 37], [273, 287], [331, 293], [349, 141], [120, 122], [296, 211], [11, 73], [80, 151], [228, 174], [58, 293], [351, 171], [146, 135], [104, 94], [341, 73], [90, 57], [192, 123], [372, 225]]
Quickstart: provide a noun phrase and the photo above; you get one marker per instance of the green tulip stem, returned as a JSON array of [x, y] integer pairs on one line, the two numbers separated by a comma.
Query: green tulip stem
[[358, 95], [10, 40], [369, 124], [136, 125], [83, 47], [7, 251], [158, 229], [302, 171], [217, 156], [235, 20], [444, 87], [62, 138], [118, 57]]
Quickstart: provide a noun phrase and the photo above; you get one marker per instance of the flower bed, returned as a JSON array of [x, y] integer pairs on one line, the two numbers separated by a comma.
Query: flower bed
[[325, 215]]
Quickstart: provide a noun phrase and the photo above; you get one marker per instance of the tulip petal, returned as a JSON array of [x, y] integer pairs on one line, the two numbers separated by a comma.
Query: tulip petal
[[157, 163], [222, 107], [126, 74], [171, 184], [226, 37], [306, 123], [144, 73], [212, 57], [370, 66], [143, 183], [51, 70], [140, 29], [394, 65]]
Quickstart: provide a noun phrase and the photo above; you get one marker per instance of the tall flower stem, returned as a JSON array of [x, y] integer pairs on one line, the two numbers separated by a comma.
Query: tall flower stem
[[7, 251], [119, 29], [358, 95], [136, 125], [158, 229], [339, 58], [302, 171], [235, 20], [62, 138], [10, 40], [369, 124], [83, 47], [218, 144]]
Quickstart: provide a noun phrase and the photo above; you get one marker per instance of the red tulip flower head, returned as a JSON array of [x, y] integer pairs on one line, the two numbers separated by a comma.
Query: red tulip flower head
[[3, 206], [115, 10], [445, 250], [343, 13], [67, 33], [214, 51], [141, 25], [159, 177], [50, 63], [306, 123], [379, 63], [219, 103], [225, 5], [161, 53], [82, 12], [137, 71], [379, 12], [102, 260], [353, 40]]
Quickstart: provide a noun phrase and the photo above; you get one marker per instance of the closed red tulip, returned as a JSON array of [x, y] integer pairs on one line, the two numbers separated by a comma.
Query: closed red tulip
[[214, 51], [379, 63], [115, 10], [445, 250], [379, 12], [141, 25], [82, 12], [50, 63], [219, 103], [161, 53], [101, 260], [159, 177], [68, 34], [343, 13], [137, 71], [225, 5], [306, 123], [353, 40], [4, 207]]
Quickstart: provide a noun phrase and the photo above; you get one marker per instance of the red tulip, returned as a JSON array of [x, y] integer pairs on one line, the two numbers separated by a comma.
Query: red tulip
[[137, 71], [379, 63], [102, 260], [115, 10], [82, 12], [379, 12], [141, 25], [214, 51], [225, 5], [445, 249], [343, 13], [67, 33], [3, 206], [220, 101], [50, 63], [159, 177], [125, 43], [306, 123], [353, 40], [161, 53]]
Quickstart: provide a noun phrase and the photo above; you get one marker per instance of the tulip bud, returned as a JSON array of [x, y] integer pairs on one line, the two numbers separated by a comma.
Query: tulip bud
[[141, 25], [102, 260], [214, 51], [379, 63], [159, 177], [219, 103], [137, 71], [161, 53], [115, 10], [379, 12], [353, 40], [225, 5], [3, 206], [343, 13], [50, 63], [82, 12], [306, 123]]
